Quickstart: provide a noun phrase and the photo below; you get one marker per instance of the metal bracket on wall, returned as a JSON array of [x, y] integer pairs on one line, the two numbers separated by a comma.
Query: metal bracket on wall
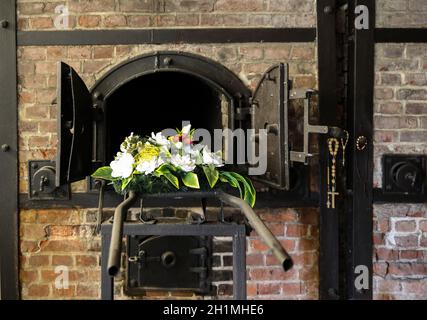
[[305, 155], [41, 184]]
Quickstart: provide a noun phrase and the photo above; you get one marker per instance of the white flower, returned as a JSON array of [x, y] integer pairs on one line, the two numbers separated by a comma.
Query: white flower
[[186, 129], [210, 158], [122, 166], [185, 163], [148, 167], [159, 139]]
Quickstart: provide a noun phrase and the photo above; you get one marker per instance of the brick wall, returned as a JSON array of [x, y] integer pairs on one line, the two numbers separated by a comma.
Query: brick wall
[[54, 237], [108, 14], [60, 237], [400, 234], [401, 13]]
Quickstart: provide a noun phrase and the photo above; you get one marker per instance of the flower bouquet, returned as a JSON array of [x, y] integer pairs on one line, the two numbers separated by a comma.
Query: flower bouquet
[[160, 164]]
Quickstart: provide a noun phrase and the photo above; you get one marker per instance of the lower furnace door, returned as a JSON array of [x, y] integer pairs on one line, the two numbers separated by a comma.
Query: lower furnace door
[[168, 263]]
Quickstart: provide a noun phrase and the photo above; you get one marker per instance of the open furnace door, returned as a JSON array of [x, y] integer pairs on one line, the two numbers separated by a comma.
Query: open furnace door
[[270, 112], [74, 153]]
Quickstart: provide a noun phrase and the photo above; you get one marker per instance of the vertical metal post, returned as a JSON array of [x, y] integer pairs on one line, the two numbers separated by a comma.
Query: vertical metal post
[[360, 215], [328, 104], [239, 264], [9, 269], [107, 282]]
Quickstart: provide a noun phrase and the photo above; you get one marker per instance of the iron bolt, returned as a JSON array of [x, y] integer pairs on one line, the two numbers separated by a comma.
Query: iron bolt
[[5, 148], [167, 61], [98, 95], [4, 24], [328, 10], [34, 165]]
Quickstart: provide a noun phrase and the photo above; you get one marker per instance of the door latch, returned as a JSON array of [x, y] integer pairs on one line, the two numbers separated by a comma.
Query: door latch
[[42, 186]]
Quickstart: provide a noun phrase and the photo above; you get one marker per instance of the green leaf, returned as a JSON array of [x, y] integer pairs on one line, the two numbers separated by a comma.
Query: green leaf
[[165, 171], [227, 177], [249, 190], [172, 179], [126, 182], [191, 180], [103, 173], [236, 180], [211, 174]]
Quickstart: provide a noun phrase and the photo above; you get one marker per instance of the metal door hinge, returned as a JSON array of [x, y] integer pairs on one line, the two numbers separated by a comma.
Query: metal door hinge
[[42, 182]]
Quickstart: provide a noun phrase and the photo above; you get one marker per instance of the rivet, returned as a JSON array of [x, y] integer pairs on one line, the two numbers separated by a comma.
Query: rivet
[[98, 95], [34, 165], [167, 61], [5, 148], [4, 24], [328, 10]]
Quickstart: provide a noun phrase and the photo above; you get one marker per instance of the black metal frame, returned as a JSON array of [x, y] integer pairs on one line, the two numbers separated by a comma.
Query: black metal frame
[[111, 199], [8, 153], [328, 100], [400, 35], [360, 120], [166, 36], [237, 232]]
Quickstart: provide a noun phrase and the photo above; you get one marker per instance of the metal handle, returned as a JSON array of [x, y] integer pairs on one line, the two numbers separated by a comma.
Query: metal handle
[[259, 226], [117, 234]]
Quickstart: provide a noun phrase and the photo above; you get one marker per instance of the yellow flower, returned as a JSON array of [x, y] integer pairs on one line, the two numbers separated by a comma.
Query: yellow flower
[[148, 153]]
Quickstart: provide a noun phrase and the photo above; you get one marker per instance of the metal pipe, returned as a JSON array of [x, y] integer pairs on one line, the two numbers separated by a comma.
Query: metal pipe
[[259, 227], [115, 253]]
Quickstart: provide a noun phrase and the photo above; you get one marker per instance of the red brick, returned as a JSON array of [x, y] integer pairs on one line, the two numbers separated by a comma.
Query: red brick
[[56, 52], [62, 260], [58, 216], [115, 21], [405, 226], [36, 112], [79, 52], [86, 261], [64, 245], [388, 285], [33, 53], [309, 273], [268, 289], [277, 53], [386, 254], [302, 53], [38, 260], [38, 290], [409, 254], [38, 142], [89, 21], [28, 246], [64, 292], [280, 216], [62, 231], [423, 225], [28, 276], [255, 259], [296, 230], [90, 291], [41, 23], [251, 289], [307, 244], [258, 245], [406, 241], [94, 66], [187, 19], [380, 269], [272, 274], [239, 6], [45, 67], [292, 289], [139, 21], [103, 52], [46, 96], [47, 126]]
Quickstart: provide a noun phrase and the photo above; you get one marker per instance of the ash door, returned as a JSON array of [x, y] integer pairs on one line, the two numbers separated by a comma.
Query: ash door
[[269, 112], [74, 154]]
